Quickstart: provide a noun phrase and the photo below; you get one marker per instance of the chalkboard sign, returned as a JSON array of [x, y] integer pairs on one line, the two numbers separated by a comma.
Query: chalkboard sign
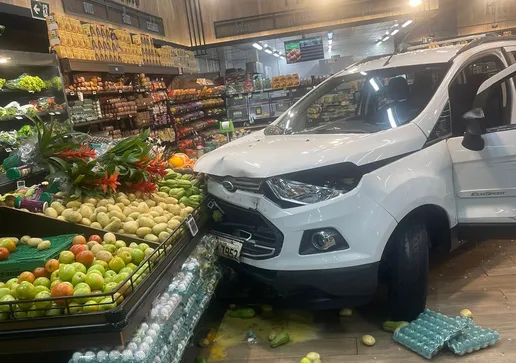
[[304, 50]]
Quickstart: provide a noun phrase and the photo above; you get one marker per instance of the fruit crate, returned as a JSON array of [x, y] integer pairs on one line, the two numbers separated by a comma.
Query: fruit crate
[[27, 258], [107, 327]]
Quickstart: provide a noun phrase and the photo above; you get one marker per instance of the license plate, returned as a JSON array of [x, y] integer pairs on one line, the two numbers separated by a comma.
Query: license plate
[[228, 248]]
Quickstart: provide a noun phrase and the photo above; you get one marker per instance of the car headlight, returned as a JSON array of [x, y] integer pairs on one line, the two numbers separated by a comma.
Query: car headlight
[[300, 193]]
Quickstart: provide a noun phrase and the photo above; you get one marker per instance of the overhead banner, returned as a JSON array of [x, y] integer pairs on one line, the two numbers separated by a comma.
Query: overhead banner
[[304, 50]]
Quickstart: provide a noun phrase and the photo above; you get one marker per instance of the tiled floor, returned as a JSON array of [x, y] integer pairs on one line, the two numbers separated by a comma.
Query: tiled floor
[[480, 277]]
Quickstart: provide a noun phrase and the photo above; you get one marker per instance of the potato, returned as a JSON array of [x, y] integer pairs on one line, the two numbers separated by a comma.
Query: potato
[[114, 226], [24, 239], [162, 194], [93, 217], [189, 209], [368, 340], [150, 203], [85, 222], [92, 201], [128, 210], [131, 197], [100, 209], [174, 209], [44, 245], [34, 242], [134, 215], [120, 205], [168, 230], [183, 213], [157, 209], [96, 225], [73, 204], [154, 214], [86, 211], [173, 224], [129, 219], [117, 214], [145, 222], [161, 219], [158, 228], [103, 219], [121, 231], [51, 212], [72, 216], [110, 200], [102, 203], [163, 205], [58, 207], [178, 218], [61, 218], [143, 208], [135, 203], [163, 236], [171, 200], [112, 208], [151, 237], [143, 231], [131, 227], [126, 202]]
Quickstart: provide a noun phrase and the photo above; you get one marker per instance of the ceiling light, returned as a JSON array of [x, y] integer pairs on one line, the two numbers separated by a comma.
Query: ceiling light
[[282, 56], [363, 73], [276, 54], [384, 39], [394, 32], [329, 49], [396, 25], [407, 23], [5, 59], [258, 46], [330, 35], [387, 33], [330, 41], [414, 3], [268, 50], [379, 41]]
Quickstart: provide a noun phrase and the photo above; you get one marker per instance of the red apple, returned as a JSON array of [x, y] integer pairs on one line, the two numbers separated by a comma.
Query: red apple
[[78, 248], [79, 240], [40, 272], [85, 257], [96, 238], [26, 276], [52, 265], [62, 289]]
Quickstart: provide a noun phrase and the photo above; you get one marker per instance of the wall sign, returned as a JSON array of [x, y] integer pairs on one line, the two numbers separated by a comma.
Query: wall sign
[[116, 13], [303, 50], [39, 9]]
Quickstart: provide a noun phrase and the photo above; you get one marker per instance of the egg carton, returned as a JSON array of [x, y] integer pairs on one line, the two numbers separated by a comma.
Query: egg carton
[[473, 338], [428, 334]]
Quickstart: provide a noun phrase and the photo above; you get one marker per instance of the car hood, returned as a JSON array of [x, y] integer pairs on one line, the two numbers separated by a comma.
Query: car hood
[[260, 156]]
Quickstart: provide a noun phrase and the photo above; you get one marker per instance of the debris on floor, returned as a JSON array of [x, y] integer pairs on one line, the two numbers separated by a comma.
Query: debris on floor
[[368, 340]]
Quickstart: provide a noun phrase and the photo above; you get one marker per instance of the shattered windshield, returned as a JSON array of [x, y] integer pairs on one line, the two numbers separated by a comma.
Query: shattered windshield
[[363, 102]]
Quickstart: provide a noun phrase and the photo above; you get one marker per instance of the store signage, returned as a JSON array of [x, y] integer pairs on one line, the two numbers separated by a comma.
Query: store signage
[[39, 9], [342, 11], [304, 50], [116, 13]]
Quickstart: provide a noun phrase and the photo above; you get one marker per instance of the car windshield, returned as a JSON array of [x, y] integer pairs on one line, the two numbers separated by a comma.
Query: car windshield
[[363, 102]]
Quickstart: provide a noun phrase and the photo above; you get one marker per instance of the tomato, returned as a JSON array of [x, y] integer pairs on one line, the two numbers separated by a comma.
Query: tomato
[[4, 253]]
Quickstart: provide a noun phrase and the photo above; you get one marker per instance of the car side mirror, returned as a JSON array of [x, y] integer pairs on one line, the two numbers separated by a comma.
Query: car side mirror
[[473, 136]]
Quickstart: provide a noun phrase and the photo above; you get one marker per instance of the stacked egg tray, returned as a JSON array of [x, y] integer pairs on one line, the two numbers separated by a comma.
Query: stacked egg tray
[[431, 331], [168, 326]]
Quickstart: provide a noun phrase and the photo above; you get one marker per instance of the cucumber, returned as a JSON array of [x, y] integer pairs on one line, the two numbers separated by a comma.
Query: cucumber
[[391, 326], [280, 339], [242, 313]]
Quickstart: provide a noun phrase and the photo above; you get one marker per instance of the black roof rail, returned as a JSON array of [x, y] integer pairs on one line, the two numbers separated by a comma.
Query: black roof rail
[[489, 38]]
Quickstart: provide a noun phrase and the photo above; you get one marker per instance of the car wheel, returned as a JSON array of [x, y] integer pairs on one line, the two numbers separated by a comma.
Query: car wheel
[[408, 262]]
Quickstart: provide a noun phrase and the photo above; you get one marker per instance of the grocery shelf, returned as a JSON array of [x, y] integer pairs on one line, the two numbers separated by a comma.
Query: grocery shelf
[[197, 130], [7, 185], [40, 114], [197, 109], [78, 65], [177, 102]]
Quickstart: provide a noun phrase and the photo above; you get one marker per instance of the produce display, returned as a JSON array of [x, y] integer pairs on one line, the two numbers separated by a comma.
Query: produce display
[[117, 107], [168, 326], [197, 105], [93, 275], [290, 80], [179, 95]]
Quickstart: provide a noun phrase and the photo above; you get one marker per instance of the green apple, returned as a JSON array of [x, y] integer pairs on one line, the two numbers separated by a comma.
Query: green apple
[[120, 244], [5, 308], [10, 282], [42, 281], [25, 291], [6, 291], [126, 270], [41, 289], [34, 313], [98, 268], [110, 248], [107, 304], [20, 314], [133, 245], [95, 281], [2, 284], [90, 307], [143, 246], [116, 264], [79, 267], [54, 310], [66, 257], [75, 308], [101, 263], [43, 304], [109, 274], [66, 272], [14, 287], [110, 286], [78, 278], [79, 293], [131, 265], [81, 285], [137, 256], [54, 276], [121, 277]]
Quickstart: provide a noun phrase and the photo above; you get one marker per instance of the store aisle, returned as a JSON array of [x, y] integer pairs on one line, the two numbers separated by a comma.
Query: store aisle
[[480, 277]]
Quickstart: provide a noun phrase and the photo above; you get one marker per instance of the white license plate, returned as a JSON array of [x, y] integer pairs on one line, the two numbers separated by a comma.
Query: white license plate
[[228, 248]]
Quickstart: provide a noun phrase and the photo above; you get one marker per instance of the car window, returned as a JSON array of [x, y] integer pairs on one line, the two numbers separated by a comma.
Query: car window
[[442, 128], [363, 102], [464, 88]]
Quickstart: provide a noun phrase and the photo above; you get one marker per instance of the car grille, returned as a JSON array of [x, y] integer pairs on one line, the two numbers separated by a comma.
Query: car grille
[[246, 184], [262, 239]]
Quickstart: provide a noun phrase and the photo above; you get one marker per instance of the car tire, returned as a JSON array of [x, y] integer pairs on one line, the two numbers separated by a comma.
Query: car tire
[[408, 272]]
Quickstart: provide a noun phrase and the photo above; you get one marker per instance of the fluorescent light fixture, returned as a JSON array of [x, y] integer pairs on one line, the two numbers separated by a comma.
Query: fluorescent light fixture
[[329, 49], [330, 35], [387, 33], [374, 84], [386, 38], [4, 60], [414, 3], [396, 25], [282, 56], [268, 50], [394, 32], [330, 41], [258, 46], [363, 73], [407, 23], [378, 41], [353, 70], [276, 54], [390, 116]]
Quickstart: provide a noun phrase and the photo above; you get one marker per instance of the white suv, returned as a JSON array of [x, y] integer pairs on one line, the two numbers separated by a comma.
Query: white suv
[[383, 163]]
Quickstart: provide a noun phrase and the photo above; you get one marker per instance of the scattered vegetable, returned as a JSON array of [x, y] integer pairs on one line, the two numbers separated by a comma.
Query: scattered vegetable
[[467, 313], [280, 339], [368, 340], [242, 313], [391, 326], [346, 312], [313, 355]]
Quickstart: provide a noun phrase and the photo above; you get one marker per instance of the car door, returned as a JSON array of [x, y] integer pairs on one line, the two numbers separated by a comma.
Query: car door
[[484, 160]]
